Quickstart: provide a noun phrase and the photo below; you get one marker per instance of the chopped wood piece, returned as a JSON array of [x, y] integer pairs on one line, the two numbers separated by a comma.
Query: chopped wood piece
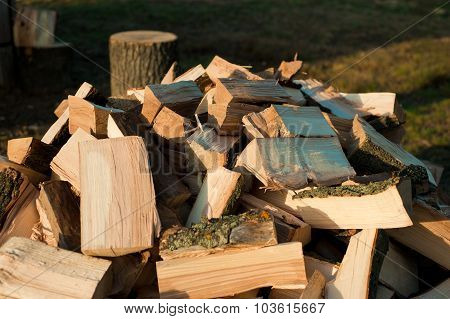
[[372, 152], [250, 201], [207, 100], [228, 234], [207, 150], [85, 91], [399, 271], [31, 153], [285, 293], [220, 191], [429, 235], [18, 213], [34, 177], [90, 117], [181, 97], [441, 291], [327, 269], [115, 222], [384, 208], [315, 286], [331, 100], [61, 210], [199, 76], [378, 103], [125, 103], [64, 105], [293, 163], [227, 119], [287, 70], [126, 124], [253, 92], [220, 68], [66, 164], [221, 275], [172, 126], [58, 134], [287, 121], [353, 276], [170, 75], [55, 273], [137, 93]]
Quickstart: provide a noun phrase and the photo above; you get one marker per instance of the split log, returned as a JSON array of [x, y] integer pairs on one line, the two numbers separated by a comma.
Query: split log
[[58, 134], [378, 104], [287, 233], [330, 99], [219, 193], [114, 222], [58, 206], [170, 74], [287, 121], [314, 288], [126, 124], [287, 70], [429, 235], [206, 150], [252, 92], [140, 57], [220, 68], [399, 271], [55, 273], [207, 100], [199, 76], [34, 177], [66, 164], [296, 96], [181, 97], [377, 204], [327, 269], [85, 91], [31, 153], [441, 291], [18, 213], [373, 153], [353, 282], [137, 93], [90, 117], [293, 163], [220, 275], [227, 118], [172, 126], [228, 234]]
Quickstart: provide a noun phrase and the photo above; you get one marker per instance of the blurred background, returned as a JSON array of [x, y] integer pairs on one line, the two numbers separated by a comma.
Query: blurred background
[[336, 40]]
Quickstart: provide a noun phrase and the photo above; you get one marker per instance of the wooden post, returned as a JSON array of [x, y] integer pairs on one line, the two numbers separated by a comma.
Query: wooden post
[[6, 46], [138, 58]]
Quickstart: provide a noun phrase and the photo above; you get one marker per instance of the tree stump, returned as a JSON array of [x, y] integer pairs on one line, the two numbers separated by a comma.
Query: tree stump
[[138, 58]]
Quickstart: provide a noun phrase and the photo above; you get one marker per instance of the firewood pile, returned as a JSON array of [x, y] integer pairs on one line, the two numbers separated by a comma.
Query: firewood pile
[[223, 183]]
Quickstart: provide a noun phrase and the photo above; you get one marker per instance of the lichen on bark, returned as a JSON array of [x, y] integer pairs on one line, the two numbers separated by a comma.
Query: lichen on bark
[[371, 188], [10, 181], [214, 232]]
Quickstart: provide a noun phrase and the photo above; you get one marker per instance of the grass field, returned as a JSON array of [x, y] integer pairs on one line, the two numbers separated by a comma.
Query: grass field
[[329, 35]]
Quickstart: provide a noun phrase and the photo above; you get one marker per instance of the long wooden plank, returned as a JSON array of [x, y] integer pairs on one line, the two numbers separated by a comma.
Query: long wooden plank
[[224, 275]]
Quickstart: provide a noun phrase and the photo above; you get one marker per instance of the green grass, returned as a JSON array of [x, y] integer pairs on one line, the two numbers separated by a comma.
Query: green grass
[[329, 35]]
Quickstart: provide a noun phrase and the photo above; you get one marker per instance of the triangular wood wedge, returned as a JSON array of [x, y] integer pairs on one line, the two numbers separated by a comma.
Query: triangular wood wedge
[[219, 275], [287, 121], [220, 68], [293, 163], [199, 76]]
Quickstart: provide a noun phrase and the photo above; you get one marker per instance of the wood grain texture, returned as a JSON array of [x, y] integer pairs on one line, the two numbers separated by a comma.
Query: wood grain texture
[[287, 121], [220, 68], [199, 76], [352, 279], [66, 164], [330, 99], [58, 133], [115, 222], [252, 92], [293, 163], [181, 97], [224, 275], [33, 270], [382, 210], [315, 286], [220, 190], [172, 126], [429, 235], [227, 118]]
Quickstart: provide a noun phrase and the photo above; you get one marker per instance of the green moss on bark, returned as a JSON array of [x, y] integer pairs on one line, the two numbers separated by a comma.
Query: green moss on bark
[[213, 233], [10, 181], [371, 188]]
